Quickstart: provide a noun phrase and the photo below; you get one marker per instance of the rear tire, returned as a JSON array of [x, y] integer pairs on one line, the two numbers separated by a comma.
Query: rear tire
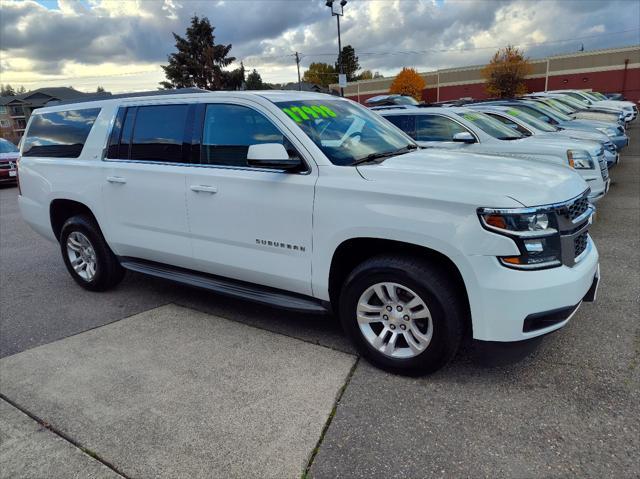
[[424, 309], [87, 256]]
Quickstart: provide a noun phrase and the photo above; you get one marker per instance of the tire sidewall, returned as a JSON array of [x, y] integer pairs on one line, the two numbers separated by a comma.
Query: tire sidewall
[[80, 225], [430, 359]]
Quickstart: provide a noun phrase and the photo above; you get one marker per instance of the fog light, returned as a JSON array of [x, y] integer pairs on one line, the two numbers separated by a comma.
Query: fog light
[[534, 246]]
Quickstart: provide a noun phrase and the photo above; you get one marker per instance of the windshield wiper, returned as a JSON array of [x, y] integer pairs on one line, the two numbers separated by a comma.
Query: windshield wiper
[[384, 154]]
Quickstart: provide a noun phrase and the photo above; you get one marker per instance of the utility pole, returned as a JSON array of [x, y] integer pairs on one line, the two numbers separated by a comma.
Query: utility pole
[[298, 65]]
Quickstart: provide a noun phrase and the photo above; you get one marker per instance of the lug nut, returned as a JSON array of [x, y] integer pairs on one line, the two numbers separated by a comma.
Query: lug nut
[[385, 317], [389, 308], [406, 317], [399, 308], [403, 327], [392, 326]]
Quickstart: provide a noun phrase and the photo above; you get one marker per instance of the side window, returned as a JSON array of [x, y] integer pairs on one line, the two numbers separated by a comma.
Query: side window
[[229, 130], [406, 123], [436, 128], [510, 123], [158, 132], [61, 134]]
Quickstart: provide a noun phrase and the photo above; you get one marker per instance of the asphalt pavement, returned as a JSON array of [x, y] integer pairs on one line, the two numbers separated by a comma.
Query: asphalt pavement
[[155, 379]]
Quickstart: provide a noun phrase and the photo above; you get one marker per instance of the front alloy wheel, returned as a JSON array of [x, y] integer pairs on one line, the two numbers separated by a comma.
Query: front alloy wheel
[[394, 320]]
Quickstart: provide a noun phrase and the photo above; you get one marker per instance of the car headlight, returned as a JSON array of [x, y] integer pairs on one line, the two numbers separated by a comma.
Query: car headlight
[[607, 131], [580, 159], [534, 230]]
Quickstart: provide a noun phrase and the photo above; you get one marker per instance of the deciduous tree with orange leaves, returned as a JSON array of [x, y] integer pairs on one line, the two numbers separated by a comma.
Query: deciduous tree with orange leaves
[[408, 82], [504, 75]]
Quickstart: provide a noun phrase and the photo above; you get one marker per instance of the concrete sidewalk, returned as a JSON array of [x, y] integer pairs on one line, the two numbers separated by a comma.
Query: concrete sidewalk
[[173, 392], [29, 450]]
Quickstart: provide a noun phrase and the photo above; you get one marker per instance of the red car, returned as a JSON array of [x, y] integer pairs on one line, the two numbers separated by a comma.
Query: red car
[[8, 157]]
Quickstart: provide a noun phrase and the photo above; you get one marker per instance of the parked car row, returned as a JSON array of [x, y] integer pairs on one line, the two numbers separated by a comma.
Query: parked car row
[[316, 203], [535, 127]]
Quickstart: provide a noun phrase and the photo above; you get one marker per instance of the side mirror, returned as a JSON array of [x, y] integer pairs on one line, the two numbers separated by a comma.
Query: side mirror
[[464, 137], [271, 155]]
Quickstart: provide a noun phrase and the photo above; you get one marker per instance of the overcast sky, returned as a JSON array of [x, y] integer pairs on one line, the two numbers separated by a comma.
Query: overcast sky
[[120, 44]]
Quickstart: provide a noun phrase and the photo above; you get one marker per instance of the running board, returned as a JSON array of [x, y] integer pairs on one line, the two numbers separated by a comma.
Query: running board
[[227, 287]]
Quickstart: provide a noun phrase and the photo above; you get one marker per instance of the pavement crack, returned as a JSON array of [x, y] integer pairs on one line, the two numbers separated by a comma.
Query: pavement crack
[[65, 437], [314, 453]]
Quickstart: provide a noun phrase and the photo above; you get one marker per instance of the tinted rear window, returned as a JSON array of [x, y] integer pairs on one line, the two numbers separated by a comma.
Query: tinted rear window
[[59, 135], [158, 133]]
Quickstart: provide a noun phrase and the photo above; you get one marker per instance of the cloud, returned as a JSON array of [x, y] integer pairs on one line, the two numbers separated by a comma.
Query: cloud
[[37, 42]]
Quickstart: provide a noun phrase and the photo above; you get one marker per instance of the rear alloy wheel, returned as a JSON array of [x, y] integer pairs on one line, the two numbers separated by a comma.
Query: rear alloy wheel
[[81, 255], [404, 314], [87, 256]]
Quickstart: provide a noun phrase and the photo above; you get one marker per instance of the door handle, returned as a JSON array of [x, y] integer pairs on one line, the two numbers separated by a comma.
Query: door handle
[[204, 189], [116, 179]]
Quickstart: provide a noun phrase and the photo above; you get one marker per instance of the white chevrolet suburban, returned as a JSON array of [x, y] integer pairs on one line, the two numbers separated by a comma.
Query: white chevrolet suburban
[[312, 202]]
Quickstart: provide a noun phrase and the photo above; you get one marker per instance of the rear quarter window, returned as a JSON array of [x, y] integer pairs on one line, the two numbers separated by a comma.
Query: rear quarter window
[[61, 134]]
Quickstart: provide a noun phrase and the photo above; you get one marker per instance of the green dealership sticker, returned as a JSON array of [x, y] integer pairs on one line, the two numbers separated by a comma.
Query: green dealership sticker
[[309, 112], [513, 112]]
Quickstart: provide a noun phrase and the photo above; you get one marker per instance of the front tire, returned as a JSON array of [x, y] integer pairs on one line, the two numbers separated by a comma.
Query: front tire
[[403, 314], [87, 256]]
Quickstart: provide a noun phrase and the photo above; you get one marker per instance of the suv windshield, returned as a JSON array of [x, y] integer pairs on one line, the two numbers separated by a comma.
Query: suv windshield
[[7, 146], [491, 126], [531, 120], [345, 131]]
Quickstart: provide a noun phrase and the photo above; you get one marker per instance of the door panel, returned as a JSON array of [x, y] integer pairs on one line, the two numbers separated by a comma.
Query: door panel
[[248, 223], [144, 184]]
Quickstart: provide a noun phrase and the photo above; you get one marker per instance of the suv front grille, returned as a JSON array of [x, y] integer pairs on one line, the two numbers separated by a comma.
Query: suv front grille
[[576, 208], [604, 171], [580, 244], [10, 165], [573, 228]]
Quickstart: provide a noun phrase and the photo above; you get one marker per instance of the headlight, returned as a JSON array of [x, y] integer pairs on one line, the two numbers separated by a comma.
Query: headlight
[[579, 159], [607, 131], [534, 230]]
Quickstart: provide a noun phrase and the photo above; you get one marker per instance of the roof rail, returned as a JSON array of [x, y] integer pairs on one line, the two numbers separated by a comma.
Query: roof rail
[[97, 97]]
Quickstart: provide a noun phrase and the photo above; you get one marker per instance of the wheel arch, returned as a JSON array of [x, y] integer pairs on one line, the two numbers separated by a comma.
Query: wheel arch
[[61, 209], [354, 251]]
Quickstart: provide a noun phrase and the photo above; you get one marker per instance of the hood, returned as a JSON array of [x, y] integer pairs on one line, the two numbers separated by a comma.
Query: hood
[[582, 123], [582, 134], [562, 143], [9, 156], [479, 180], [613, 104]]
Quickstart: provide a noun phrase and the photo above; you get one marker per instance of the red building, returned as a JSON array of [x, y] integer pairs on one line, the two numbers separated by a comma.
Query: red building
[[613, 70]]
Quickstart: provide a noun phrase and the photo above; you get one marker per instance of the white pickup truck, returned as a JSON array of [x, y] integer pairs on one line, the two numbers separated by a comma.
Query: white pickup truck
[[313, 203]]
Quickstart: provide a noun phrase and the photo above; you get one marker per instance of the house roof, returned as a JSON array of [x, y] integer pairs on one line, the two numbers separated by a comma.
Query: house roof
[[41, 96]]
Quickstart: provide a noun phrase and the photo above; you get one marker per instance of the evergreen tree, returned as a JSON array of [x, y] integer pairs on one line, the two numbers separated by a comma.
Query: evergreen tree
[[349, 62], [254, 81], [199, 61]]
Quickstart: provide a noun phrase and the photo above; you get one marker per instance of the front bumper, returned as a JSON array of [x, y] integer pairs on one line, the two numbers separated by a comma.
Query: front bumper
[[505, 298], [621, 141]]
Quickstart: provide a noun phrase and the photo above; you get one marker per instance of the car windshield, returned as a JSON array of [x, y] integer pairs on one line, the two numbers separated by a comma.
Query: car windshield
[[557, 105], [345, 131], [599, 95], [551, 113], [491, 126], [7, 146], [591, 96], [572, 102], [531, 120]]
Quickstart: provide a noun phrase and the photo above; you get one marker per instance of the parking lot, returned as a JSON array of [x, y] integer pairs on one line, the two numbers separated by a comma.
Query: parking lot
[[155, 379]]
